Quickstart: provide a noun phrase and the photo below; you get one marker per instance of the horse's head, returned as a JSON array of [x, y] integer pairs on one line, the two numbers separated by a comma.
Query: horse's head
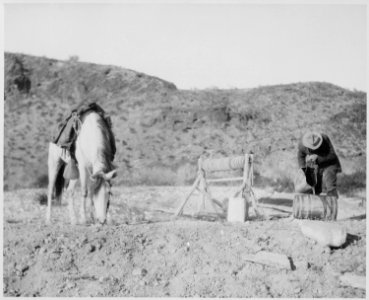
[[101, 193]]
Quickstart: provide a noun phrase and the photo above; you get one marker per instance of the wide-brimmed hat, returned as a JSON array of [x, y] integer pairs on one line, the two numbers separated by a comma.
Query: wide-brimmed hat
[[312, 140]]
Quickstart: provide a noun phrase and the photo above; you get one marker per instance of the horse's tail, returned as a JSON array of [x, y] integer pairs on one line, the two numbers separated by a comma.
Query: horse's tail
[[59, 184]]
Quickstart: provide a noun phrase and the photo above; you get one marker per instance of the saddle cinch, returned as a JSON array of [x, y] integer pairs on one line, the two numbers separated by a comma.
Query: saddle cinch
[[67, 133]]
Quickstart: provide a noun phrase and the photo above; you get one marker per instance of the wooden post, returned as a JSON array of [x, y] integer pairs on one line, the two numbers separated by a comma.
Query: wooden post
[[250, 181], [203, 187], [245, 176], [193, 188], [195, 185]]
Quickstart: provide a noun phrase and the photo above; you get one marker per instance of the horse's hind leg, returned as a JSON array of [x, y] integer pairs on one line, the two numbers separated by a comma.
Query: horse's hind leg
[[91, 206], [52, 178]]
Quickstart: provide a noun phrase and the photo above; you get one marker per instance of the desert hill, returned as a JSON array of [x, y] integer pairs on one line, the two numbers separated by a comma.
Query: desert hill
[[161, 130]]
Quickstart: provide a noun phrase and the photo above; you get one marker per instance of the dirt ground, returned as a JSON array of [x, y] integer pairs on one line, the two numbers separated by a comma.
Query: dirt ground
[[145, 252]]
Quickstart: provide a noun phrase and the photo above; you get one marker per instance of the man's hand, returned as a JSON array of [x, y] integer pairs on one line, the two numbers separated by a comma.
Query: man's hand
[[311, 159]]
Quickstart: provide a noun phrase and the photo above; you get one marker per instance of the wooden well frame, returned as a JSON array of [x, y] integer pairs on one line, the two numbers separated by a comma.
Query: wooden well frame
[[209, 166]]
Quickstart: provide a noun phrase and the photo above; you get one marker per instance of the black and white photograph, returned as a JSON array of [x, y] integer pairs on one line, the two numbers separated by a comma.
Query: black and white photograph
[[198, 149]]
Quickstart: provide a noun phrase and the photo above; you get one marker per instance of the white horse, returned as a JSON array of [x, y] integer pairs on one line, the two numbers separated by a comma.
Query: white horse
[[94, 156]]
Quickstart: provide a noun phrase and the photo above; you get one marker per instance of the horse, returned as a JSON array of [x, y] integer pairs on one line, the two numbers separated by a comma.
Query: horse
[[94, 154]]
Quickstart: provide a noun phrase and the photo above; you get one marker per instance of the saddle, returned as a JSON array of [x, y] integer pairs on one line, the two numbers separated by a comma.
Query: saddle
[[67, 130]]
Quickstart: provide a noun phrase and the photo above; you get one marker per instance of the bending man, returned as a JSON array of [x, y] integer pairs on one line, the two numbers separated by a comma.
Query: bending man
[[319, 162]]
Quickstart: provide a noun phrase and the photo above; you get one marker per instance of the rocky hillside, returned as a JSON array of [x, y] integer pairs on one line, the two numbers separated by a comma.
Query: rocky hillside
[[161, 130]]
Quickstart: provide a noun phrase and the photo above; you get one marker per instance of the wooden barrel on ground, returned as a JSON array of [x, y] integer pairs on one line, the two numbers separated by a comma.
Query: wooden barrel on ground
[[307, 206]]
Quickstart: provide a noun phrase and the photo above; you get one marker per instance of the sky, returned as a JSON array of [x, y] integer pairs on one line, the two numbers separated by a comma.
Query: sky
[[207, 45]]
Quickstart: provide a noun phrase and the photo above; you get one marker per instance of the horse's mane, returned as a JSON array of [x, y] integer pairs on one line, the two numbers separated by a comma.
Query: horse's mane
[[107, 151]]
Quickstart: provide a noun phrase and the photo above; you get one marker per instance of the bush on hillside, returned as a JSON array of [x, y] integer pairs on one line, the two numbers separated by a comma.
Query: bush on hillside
[[349, 183], [158, 121]]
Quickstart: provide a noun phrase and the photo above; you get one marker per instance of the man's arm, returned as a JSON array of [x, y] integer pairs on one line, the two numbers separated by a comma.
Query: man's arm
[[331, 154], [301, 156]]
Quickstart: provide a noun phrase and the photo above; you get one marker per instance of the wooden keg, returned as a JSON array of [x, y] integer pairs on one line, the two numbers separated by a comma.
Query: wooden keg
[[307, 206], [223, 164]]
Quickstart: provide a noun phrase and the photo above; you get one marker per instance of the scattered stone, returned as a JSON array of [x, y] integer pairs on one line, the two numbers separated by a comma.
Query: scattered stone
[[270, 259], [21, 269], [25, 269], [136, 272], [40, 198], [82, 241], [139, 272], [326, 234], [142, 282], [353, 280], [361, 268], [304, 265], [90, 248], [43, 250], [188, 246], [143, 272], [70, 285]]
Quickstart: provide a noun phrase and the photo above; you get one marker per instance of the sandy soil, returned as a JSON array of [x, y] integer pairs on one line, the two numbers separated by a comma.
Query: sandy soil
[[144, 252]]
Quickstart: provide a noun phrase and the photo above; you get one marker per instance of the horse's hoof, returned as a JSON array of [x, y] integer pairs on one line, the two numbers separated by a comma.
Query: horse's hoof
[[92, 217], [83, 222]]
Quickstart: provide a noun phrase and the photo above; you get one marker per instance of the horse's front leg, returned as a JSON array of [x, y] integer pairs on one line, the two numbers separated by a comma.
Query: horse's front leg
[[91, 206], [84, 192], [71, 193], [54, 165]]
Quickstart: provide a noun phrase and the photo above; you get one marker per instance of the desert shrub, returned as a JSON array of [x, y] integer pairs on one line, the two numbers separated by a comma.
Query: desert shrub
[[40, 198], [41, 181], [349, 183], [220, 114], [284, 184], [186, 174], [246, 116], [18, 76], [157, 175], [281, 184]]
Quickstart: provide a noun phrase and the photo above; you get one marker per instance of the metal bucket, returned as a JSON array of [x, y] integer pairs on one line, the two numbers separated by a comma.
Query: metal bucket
[[237, 209], [307, 206]]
